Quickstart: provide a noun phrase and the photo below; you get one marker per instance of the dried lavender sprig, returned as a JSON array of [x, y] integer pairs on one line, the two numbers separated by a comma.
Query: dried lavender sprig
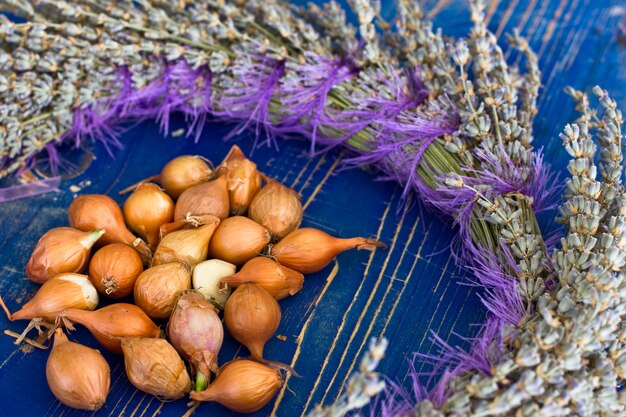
[[362, 386]]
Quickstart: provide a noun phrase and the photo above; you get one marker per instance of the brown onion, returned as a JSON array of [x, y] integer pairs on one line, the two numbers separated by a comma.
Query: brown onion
[[146, 209], [110, 324], [196, 331], [244, 180], [184, 172], [97, 211], [77, 375], [243, 386], [158, 288], [277, 208], [309, 250], [237, 240], [114, 269], [57, 294], [60, 250], [153, 366], [276, 279], [252, 317], [189, 246], [206, 198]]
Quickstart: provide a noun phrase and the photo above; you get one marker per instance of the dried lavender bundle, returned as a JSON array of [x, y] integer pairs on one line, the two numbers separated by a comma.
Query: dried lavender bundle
[[450, 121], [569, 357]]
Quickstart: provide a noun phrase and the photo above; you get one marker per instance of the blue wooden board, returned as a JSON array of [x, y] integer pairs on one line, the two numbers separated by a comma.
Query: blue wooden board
[[402, 293]]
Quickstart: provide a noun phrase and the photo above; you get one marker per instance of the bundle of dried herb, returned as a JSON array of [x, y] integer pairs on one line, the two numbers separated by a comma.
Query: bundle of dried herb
[[451, 121]]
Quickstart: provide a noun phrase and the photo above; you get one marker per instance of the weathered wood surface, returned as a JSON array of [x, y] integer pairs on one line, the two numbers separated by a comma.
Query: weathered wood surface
[[402, 293]]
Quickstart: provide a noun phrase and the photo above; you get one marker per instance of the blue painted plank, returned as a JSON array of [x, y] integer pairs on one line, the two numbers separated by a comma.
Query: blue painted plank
[[402, 293]]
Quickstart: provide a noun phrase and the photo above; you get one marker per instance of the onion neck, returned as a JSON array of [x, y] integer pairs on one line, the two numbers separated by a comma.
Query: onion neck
[[201, 382], [358, 243], [77, 316], [91, 238]]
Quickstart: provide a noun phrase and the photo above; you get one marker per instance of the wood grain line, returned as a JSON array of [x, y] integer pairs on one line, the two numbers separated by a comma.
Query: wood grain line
[[302, 171], [456, 320], [443, 272], [139, 405], [552, 26], [373, 292], [123, 168], [354, 298], [8, 358], [158, 410], [120, 399], [491, 10], [127, 403], [418, 256], [430, 322], [437, 8], [506, 17], [323, 181], [366, 337], [329, 279], [300, 337], [145, 410], [445, 267], [308, 179]]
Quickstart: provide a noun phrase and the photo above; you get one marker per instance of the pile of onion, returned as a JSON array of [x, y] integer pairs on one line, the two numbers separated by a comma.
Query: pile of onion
[[189, 245]]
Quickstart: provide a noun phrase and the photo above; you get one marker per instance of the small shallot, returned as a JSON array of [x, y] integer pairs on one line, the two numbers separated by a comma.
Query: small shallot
[[277, 208], [207, 278], [77, 375], [184, 172], [60, 250], [244, 180], [189, 246], [310, 250], [114, 269], [252, 317], [97, 211], [57, 294], [158, 288], [196, 331], [242, 386], [276, 279], [237, 240], [110, 324], [154, 366], [206, 198], [147, 208]]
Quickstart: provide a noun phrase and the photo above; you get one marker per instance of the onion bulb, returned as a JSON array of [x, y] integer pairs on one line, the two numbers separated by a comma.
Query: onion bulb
[[110, 324], [57, 294], [60, 250], [114, 269], [252, 317], [153, 366], [77, 375], [277, 208], [207, 278], [158, 288], [146, 209], [184, 172], [206, 198], [196, 331], [310, 250], [243, 180], [276, 279], [237, 240], [242, 386], [97, 211], [189, 246]]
